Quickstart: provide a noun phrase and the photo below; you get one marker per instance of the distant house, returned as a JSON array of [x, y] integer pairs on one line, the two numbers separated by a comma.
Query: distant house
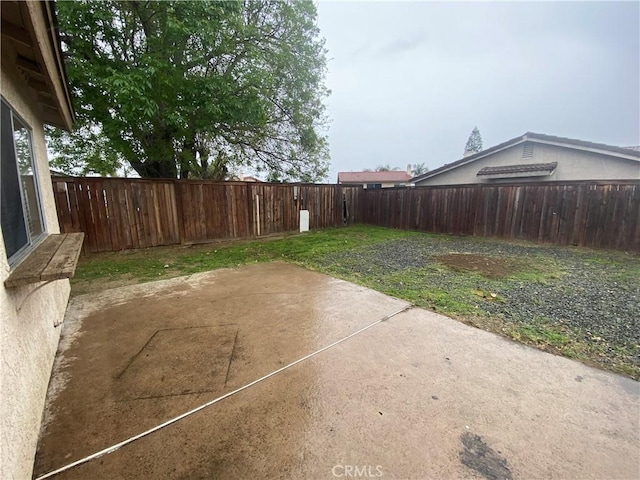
[[393, 178], [534, 157], [35, 260], [249, 178]]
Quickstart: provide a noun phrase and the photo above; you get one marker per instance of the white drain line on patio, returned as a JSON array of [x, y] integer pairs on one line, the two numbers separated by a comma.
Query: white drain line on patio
[[117, 446]]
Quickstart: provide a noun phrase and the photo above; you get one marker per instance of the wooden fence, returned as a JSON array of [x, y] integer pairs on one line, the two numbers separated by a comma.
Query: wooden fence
[[118, 213], [594, 214]]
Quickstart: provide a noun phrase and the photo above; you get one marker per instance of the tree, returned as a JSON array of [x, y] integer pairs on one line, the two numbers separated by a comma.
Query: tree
[[474, 143], [386, 168], [192, 89], [86, 151], [419, 169]]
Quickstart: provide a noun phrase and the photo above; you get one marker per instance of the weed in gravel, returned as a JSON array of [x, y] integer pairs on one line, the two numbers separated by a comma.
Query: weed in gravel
[[538, 269], [539, 331]]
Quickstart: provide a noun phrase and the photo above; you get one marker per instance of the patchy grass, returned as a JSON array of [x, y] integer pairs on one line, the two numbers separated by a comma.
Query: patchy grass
[[541, 332], [520, 290], [133, 266]]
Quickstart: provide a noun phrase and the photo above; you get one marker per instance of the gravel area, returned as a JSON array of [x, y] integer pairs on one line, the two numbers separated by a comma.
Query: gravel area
[[597, 292]]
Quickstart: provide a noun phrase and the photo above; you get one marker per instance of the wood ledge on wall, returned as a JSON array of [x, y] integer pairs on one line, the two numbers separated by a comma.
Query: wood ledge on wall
[[54, 259]]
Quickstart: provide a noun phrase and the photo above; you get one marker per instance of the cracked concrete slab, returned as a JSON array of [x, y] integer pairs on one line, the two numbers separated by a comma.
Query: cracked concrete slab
[[417, 396]]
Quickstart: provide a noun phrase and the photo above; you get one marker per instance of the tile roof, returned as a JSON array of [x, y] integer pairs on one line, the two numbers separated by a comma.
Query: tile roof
[[526, 168], [534, 137], [373, 177]]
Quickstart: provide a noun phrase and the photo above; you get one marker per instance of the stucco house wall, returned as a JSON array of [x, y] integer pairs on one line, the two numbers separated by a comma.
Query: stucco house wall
[[467, 173], [582, 165], [28, 338], [573, 164]]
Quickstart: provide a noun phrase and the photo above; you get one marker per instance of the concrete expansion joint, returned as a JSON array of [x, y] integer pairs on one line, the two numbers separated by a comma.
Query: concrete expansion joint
[[405, 309], [171, 421]]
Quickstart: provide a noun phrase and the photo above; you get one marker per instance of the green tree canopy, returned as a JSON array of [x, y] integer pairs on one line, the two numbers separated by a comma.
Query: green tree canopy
[[474, 143], [177, 88]]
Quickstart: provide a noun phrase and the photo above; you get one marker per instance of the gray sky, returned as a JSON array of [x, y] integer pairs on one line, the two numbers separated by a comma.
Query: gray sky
[[410, 80]]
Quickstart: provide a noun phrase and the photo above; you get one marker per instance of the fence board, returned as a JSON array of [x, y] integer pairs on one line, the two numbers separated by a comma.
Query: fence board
[[118, 214], [594, 214]]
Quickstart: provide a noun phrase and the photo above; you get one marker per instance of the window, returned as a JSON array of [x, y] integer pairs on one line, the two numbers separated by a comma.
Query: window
[[20, 210], [374, 185]]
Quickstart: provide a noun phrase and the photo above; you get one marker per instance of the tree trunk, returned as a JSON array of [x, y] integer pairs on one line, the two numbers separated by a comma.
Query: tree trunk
[[156, 169], [187, 159], [161, 157]]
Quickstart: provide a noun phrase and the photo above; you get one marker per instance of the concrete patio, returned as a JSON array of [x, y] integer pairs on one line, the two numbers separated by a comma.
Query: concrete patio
[[416, 396]]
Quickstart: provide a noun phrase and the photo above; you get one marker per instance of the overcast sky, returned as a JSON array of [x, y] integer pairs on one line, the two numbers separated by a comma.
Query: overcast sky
[[410, 80]]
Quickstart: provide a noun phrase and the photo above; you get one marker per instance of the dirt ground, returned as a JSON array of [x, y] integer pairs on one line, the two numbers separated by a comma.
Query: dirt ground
[[418, 395], [492, 267]]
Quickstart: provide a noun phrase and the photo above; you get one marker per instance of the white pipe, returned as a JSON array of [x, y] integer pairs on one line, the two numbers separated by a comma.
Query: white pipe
[[117, 446]]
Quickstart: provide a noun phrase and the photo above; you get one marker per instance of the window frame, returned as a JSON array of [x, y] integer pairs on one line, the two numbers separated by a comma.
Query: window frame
[[32, 242]]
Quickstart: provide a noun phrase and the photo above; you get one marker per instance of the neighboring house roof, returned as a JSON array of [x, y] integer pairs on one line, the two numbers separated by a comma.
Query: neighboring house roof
[[58, 173], [373, 177], [30, 29], [249, 178], [621, 152], [515, 169]]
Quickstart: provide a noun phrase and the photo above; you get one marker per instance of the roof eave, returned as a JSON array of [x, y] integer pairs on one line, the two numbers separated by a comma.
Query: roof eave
[[41, 21], [594, 148], [531, 137], [472, 158]]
